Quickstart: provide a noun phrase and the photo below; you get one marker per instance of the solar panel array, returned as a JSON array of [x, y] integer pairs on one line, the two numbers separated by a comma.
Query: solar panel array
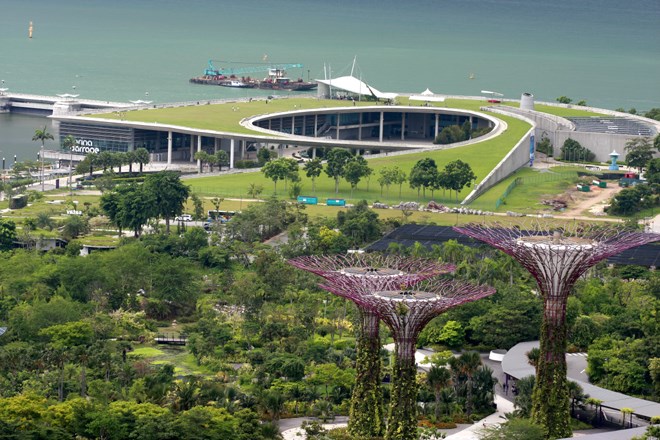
[[647, 255], [612, 125]]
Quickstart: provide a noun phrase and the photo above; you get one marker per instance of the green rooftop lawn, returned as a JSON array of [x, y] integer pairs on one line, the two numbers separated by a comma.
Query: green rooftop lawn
[[226, 117], [564, 112], [482, 157]]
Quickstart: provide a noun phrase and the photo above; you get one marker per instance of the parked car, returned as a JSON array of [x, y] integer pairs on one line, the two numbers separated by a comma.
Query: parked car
[[183, 218]]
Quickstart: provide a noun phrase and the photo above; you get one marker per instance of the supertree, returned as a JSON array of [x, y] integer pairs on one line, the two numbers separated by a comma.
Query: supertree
[[357, 271], [556, 258], [406, 311]]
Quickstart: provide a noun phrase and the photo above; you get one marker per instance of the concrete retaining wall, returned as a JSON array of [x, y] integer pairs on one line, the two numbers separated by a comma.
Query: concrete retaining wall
[[517, 157], [601, 144], [559, 129]]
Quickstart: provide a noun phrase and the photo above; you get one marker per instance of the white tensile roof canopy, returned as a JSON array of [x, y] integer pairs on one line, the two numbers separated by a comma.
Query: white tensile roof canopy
[[353, 85], [427, 96]]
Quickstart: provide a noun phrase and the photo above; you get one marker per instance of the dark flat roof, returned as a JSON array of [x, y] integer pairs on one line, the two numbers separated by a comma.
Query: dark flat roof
[[621, 434], [407, 235]]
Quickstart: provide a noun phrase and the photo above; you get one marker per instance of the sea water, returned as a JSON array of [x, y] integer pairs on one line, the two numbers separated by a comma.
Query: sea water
[[604, 51]]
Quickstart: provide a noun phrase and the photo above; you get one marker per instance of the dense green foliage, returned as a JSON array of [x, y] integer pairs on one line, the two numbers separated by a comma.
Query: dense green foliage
[[632, 200], [571, 150], [366, 412], [639, 151], [263, 342], [545, 146]]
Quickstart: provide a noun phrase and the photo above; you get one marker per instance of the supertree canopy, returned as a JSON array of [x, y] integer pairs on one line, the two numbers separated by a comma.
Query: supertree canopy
[[406, 311], [357, 272], [556, 258]]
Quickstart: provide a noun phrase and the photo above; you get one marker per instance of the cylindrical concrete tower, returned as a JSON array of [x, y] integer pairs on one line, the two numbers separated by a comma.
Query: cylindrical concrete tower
[[527, 101]]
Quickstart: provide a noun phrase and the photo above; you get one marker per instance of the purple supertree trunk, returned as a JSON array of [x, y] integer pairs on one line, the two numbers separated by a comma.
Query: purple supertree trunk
[[556, 258]]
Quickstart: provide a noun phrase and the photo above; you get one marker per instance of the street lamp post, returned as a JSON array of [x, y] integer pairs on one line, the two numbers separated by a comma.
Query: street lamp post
[[41, 156], [70, 171]]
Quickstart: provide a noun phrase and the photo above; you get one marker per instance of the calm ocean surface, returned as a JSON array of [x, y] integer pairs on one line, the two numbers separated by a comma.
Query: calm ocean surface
[[604, 51]]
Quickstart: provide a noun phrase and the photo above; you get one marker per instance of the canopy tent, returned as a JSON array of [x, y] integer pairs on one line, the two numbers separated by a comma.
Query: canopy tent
[[350, 84], [427, 96]]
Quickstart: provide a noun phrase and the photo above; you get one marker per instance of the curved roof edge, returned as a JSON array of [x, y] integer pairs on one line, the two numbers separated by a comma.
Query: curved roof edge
[[515, 364]]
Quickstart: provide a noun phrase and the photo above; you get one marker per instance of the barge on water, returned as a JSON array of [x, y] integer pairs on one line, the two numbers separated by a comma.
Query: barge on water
[[235, 77]]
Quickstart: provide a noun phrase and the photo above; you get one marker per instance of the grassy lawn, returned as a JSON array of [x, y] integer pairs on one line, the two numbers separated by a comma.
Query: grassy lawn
[[559, 111], [184, 362], [223, 117], [565, 112], [226, 117], [442, 219], [526, 198]]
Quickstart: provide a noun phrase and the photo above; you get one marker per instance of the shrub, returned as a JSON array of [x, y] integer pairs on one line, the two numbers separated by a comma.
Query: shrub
[[545, 147], [244, 164], [573, 151], [449, 135]]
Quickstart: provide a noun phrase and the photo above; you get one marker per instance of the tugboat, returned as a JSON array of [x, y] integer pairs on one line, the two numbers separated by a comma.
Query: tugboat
[[232, 77], [276, 80]]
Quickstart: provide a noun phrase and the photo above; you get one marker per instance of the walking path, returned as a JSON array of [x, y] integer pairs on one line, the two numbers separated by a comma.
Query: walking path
[[497, 418], [290, 428]]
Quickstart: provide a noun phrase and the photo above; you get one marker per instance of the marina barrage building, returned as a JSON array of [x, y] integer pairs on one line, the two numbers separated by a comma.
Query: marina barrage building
[[345, 113]]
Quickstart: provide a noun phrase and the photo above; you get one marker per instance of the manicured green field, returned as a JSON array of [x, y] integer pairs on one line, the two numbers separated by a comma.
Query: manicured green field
[[565, 112], [226, 117], [559, 111], [222, 117]]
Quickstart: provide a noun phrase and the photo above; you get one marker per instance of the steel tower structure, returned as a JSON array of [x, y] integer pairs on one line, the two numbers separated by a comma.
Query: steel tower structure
[[406, 311], [359, 274], [556, 258]]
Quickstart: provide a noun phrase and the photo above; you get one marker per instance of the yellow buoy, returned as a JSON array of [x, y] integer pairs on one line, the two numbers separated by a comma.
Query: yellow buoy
[[30, 28]]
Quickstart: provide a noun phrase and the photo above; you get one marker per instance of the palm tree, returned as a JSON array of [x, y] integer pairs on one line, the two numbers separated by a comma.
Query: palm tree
[[523, 400], [469, 362], [438, 378], [67, 144], [447, 398], [484, 385], [625, 411], [596, 403], [42, 135], [576, 394], [533, 356], [186, 394], [272, 403]]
